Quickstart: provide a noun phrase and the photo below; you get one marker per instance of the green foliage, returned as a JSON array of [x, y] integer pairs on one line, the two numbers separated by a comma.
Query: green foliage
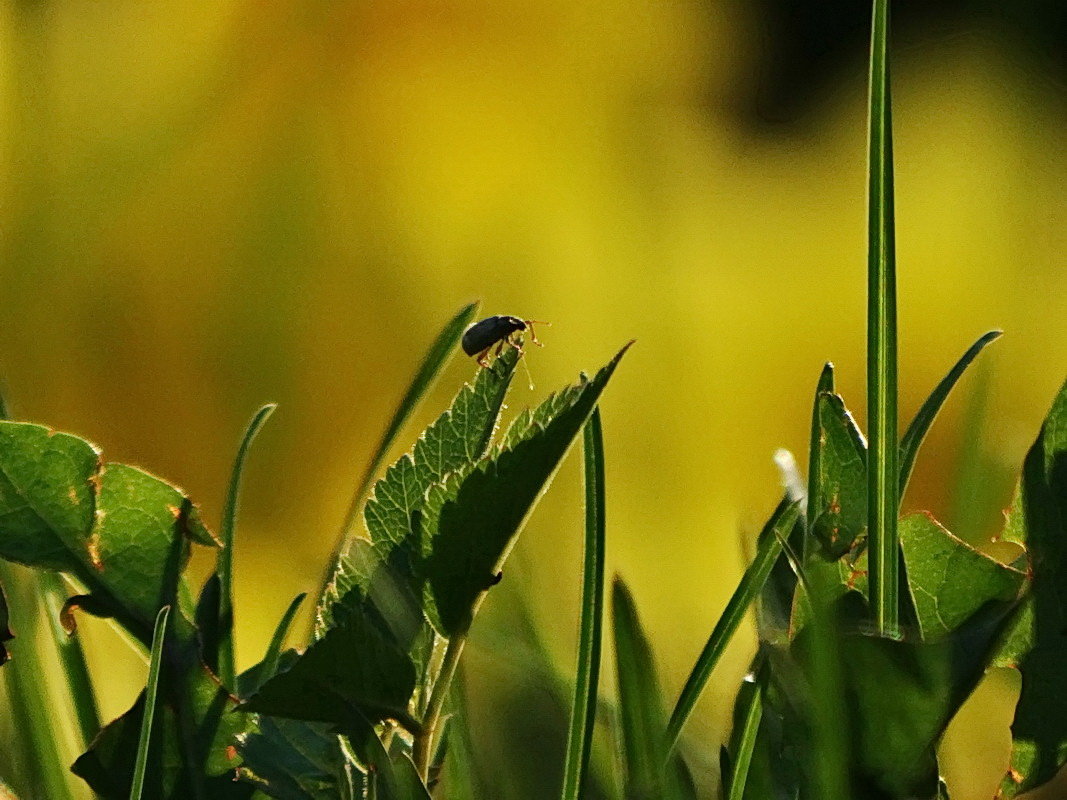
[[144, 742], [5, 630], [1036, 646]]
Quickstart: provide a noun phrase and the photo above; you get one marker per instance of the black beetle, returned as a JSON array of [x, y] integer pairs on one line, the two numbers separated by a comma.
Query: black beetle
[[480, 337]]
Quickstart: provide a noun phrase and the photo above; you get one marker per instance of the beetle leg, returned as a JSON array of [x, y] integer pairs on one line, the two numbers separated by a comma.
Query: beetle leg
[[482, 356], [530, 326]]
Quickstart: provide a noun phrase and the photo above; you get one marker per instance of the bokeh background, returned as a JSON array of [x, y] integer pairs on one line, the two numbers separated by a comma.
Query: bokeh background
[[206, 206]]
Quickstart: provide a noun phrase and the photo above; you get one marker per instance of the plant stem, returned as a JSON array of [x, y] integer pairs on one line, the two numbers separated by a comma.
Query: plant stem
[[424, 739], [882, 471], [583, 714]]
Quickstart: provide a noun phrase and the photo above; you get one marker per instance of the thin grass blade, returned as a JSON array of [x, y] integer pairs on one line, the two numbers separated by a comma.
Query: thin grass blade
[[158, 637], [769, 547], [917, 430], [274, 649], [432, 363], [583, 714], [31, 709], [882, 474], [750, 705], [224, 567]]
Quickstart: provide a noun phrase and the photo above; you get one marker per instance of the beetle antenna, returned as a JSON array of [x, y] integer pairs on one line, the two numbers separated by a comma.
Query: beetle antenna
[[529, 375], [533, 336]]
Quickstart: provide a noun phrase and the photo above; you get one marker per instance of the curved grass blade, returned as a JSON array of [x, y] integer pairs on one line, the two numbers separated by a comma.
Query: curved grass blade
[[269, 665], [432, 363], [31, 711], [71, 659], [769, 547], [583, 714], [924, 418], [750, 714], [145, 741], [882, 473], [224, 565]]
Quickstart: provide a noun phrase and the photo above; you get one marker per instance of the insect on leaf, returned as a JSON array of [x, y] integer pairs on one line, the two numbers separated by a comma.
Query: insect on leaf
[[472, 520]]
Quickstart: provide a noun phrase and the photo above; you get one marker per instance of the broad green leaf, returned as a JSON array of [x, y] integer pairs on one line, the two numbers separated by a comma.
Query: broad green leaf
[[121, 532], [949, 580], [473, 519], [768, 548], [5, 630], [224, 564], [297, 760], [882, 475], [192, 753], [924, 418], [837, 494], [144, 741], [649, 772], [583, 711], [1036, 645], [453, 442], [352, 673]]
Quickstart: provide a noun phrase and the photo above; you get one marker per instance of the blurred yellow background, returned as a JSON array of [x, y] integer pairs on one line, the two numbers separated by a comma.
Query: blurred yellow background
[[210, 206]]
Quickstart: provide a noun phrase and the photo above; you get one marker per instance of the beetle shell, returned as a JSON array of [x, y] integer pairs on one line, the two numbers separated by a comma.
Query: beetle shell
[[487, 332]]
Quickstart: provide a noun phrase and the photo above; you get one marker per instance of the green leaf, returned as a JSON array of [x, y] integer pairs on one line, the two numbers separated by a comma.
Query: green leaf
[[297, 760], [120, 531], [949, 580], [650, 773], [192, 753], [354, 672], [768, 548], [924, 418], [451, 444], [837, 493], [583, 712], [472, 520], [1036, 645], [815, 445], [144, 742], [224, 565], [882, 477]]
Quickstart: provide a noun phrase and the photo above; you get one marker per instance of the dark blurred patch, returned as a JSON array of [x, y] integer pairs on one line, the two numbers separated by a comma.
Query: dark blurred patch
[[807, 44]]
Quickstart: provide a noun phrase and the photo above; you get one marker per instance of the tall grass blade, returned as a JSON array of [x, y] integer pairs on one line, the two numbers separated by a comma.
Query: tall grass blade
[[924, 418], [31, 710], [583, 714], [750, 706], [227, 662], [432, 363], [882, 474], [144, 742], [768, 549], [71, 660]]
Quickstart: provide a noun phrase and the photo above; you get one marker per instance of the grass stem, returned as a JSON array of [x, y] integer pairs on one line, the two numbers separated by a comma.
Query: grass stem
[[882, 473]]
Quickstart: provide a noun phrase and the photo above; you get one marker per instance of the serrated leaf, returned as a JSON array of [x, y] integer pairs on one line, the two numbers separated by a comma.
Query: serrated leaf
[[473, 521], [452, 443], [214, 727], [121, 532], [354, 672], [296, 760], [1036, 644], [837, 494]]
